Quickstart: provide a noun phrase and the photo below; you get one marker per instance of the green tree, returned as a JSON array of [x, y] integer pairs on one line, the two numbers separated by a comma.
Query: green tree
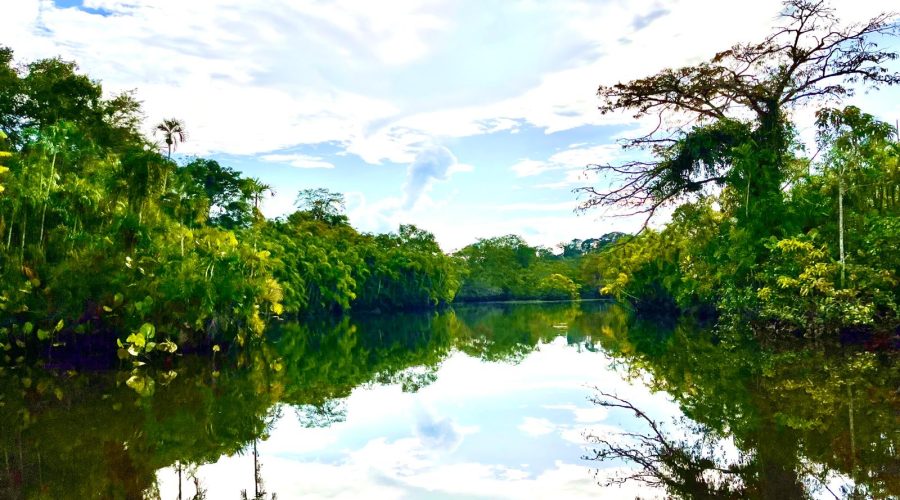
[[173, 132], [855, 142], [9, 90], [810, 57], [3, 154], [322, 205], [257, 190], [226, 194], [55, 92]]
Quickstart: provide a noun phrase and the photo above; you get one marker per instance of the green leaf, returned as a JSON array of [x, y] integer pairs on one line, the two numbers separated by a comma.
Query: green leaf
[[147, 330], [43, 334], [136, 340], [27, 327], [143, 385], [167, 346], [137, 382]]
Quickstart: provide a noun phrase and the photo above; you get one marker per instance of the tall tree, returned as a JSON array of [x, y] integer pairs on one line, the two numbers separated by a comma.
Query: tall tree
[[3, 154], [257, 190], [322, 205], [226, 193], [855, 140], [10, 86], [173, 132], [810, 57]]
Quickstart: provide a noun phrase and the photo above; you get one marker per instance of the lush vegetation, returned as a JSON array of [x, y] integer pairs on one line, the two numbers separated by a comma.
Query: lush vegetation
[[81, 434], [798, 417], [765, 230], [104, 235], [800, 413], [508, 268], [110, 248]]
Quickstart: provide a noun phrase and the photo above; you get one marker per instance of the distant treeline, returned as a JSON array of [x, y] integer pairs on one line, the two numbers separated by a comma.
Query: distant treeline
[[507, 268]]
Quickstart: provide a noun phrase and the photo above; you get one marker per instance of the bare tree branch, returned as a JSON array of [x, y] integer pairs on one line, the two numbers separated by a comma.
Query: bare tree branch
[[809, 58]]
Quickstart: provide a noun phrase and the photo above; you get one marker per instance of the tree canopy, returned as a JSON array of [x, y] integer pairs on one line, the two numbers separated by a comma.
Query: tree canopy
[[761, 230], [734, 130]]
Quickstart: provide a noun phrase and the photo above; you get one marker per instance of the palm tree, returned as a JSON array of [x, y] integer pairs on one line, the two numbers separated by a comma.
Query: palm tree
[[173, 132], [256, 188]]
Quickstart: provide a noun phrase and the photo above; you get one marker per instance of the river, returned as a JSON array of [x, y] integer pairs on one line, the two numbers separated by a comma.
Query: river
[[561, 400]]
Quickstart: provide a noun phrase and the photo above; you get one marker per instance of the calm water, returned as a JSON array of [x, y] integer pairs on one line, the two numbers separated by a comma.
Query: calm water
[[491, 401]]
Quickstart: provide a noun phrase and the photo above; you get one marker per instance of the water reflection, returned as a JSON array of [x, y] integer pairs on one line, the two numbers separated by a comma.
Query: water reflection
[[818, 420], [791, 420]]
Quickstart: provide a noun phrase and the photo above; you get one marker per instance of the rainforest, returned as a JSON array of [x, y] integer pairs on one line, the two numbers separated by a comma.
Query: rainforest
[[158, 331]]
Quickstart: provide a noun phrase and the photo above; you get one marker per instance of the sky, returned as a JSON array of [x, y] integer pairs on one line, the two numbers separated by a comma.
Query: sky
[[481, 430], [470, 119]]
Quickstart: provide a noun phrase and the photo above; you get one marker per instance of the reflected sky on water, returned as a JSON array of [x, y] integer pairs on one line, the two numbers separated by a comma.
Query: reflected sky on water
[[481, 430], [489, 401]]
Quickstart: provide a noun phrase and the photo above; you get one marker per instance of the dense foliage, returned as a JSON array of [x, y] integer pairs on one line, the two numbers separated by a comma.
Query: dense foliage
[[803, 416], [765, 230], [103, 234], [508, 268], [83, 434], [793, 419]]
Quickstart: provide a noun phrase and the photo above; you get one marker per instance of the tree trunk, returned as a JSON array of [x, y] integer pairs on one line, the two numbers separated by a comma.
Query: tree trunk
[[11, 224], [852, 431], [841, 225], [44, 210], [24, 230], [747, 201], [255, 471]]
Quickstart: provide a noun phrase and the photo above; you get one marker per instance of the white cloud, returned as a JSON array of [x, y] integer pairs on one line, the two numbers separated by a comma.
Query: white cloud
[[584, 415], [430, 165], [227, 69], [572, 162], [298, 160], [536, 426], [527, 168], [383, 81], [537, 207], [252, 78]]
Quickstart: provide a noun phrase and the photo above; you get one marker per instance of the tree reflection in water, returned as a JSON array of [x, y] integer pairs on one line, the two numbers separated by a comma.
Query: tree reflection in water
[[693, 467], [796, 416], [803, 419], [259, 488]]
